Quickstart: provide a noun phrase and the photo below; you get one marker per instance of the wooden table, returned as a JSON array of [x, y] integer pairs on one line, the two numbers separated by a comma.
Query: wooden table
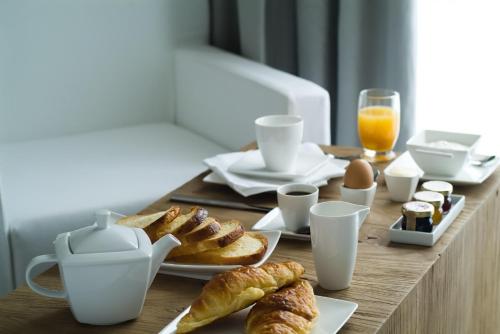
[[453, 287]]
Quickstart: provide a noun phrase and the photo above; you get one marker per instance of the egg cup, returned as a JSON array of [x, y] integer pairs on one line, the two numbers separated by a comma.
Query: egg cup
[[358, 196]]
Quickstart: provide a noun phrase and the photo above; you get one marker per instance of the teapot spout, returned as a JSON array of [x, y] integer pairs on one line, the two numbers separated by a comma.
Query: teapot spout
[[160, 250]]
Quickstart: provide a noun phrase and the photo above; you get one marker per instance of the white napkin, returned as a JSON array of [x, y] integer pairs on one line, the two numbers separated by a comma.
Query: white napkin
[[247, 186]]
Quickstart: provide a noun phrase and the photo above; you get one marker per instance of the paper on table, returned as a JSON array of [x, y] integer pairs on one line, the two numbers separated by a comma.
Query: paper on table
[[247, 186]]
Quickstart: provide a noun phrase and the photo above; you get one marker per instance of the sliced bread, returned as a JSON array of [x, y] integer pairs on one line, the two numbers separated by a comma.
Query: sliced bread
[[205, 230], [248, 249], [152, 222], [229, 232], [141, 221], [170, 215], [183, 223]]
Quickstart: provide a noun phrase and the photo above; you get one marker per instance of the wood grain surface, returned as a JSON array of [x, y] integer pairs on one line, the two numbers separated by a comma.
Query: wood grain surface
[[452, 287]]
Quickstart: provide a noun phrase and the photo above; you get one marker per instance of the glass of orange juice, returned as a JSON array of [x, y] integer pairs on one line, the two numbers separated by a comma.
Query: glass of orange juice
[[378, 123]]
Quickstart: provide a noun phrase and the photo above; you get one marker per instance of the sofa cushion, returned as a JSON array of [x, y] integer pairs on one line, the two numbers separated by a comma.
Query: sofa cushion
[[52, 186]]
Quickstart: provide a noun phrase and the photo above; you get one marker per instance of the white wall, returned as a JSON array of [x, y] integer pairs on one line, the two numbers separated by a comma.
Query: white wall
[[80, 65]]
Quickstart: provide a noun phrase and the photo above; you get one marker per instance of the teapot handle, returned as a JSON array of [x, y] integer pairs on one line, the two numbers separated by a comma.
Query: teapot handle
[[42, 259]]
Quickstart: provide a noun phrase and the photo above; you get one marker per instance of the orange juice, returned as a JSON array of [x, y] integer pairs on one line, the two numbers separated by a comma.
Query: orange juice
[[378, 128]]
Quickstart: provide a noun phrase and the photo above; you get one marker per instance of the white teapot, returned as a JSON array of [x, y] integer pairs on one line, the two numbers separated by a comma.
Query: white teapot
[[106, 269]]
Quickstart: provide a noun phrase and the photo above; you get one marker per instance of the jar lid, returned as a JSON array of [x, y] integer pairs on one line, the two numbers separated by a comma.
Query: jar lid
[[417, 209], [444, 188], [431, 197], [102, 237]]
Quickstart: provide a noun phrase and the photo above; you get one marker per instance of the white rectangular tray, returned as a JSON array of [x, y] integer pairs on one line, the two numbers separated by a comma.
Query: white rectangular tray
[[423, 238]]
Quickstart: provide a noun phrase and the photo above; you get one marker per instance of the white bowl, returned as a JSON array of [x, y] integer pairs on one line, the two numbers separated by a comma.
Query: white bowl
[[439, 160], [401, 187], [358, 196]]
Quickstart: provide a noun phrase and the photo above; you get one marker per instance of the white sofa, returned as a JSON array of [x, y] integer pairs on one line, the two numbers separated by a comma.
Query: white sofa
[[112, 104]]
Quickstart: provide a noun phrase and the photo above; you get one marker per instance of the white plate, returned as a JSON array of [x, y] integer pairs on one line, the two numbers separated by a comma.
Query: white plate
[[252, 164], [423, 238], [204, 271], [469, 175], [273, 221], [247, 186], [333, 314]]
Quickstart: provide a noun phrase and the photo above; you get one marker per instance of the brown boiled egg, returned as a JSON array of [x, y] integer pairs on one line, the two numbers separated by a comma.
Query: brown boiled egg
[[358, 175]]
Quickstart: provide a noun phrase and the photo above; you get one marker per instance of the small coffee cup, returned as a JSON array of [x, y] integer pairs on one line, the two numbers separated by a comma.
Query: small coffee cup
[[279, 138], [294, 201]]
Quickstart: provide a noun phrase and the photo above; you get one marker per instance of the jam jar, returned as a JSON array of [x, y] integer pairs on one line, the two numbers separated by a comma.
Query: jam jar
[[444, 188], [417, 216], [435, 199]]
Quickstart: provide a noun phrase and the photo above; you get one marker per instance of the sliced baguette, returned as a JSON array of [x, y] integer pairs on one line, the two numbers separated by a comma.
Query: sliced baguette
[[248, 249], [152, 222], [182, 223], [205, 230], [141, 221], [229, 232], [170, 215]]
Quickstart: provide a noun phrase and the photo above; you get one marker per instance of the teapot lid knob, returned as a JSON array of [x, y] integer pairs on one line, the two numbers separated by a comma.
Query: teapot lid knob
[[102, 219]]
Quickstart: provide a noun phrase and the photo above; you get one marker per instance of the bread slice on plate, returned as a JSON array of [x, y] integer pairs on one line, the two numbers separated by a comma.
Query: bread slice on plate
[[183, 223], [151, 223], [229, 232], [153, 230], [141, 221], [205, 230], [248, 249]]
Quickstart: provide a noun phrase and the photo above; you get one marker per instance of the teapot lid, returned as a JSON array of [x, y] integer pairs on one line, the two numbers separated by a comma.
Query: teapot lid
[[103, 236]]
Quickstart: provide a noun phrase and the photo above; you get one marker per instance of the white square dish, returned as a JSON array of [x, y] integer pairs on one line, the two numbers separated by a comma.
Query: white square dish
[[423, 238], [202, 271], [469, 175], [273, 221], [333, 314], [446, 161], [310, 159]]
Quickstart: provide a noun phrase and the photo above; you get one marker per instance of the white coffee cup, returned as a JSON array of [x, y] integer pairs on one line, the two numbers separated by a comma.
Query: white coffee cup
[[279, 138], [334, 239], [295, 208], [401, 183]]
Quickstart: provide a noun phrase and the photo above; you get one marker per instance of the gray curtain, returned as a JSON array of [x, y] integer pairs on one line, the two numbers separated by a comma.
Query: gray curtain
[[343, 45]]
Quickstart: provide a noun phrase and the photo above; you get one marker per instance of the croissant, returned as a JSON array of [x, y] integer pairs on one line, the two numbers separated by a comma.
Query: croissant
[[291, 310], [237, 289]]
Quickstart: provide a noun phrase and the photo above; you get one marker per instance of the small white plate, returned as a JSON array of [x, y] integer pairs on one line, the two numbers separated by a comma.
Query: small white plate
[[423, 238], [333, 314], [252, 164], [203, 271], [469, 175], [273, 221]]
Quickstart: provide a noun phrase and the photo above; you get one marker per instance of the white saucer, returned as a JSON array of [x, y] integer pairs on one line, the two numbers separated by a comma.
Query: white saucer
[[469, 175], [309, 160], [333, 314], [273, 221], [204, 271]]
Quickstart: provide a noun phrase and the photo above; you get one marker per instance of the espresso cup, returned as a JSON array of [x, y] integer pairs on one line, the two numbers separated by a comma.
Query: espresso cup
[[294, 201], [279, 138]]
